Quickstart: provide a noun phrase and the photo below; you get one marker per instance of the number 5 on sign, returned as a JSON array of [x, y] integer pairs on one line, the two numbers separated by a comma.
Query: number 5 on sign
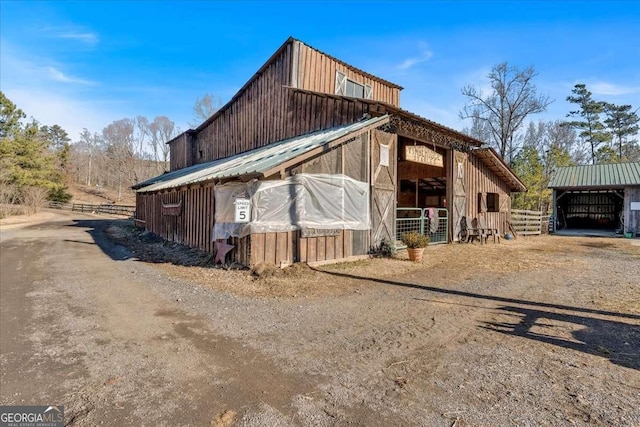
[[243, 210]]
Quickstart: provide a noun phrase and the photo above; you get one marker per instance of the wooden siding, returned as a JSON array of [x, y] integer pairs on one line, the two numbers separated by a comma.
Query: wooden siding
[[180, 152], [316, 71], [194, 224], [481, 180], [311, 112], [285, 248], [265, 111], [631, 218], [255, 118]]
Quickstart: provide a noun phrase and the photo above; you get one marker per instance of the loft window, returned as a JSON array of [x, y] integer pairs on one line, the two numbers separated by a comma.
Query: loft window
[[355, 90], [348, 87]]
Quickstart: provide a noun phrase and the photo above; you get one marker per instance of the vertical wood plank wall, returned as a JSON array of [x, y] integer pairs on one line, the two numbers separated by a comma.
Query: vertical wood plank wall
[[254, 119], [193, 227], [631, 218], [310, 112], [317, 72], [480, 179], [180, 155], [263, 112]]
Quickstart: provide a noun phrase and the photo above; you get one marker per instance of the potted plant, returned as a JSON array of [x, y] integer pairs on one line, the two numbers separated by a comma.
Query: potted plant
[[415, 243]]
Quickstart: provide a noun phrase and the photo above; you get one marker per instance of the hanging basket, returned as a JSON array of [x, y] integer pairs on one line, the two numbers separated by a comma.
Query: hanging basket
[[415, 254]]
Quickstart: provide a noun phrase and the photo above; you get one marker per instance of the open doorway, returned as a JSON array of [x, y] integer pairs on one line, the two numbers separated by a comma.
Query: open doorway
[[590, 209], [422, 189]]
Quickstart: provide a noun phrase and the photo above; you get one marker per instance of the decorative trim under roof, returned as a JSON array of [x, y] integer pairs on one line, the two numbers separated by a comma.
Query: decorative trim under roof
[[408, 122]]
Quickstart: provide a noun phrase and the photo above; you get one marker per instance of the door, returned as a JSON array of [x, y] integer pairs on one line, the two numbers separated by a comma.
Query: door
[[459, 205], [383, 182]]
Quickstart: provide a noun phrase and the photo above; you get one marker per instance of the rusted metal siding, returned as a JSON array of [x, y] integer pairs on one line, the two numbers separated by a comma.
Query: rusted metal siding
[[316, 71], [479, 179]]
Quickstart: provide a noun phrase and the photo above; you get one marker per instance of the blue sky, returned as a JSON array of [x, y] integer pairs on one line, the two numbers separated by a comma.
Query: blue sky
[[86, 64]]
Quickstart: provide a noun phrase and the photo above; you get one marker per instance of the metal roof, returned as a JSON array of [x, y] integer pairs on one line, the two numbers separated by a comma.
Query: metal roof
[[614, 175], [260, 162]]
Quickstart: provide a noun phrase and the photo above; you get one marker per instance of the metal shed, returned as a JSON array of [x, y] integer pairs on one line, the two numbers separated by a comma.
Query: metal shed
[[605, 197]]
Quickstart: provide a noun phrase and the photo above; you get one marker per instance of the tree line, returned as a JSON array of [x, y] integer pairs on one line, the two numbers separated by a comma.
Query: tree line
[[595, 132], [38, 161]]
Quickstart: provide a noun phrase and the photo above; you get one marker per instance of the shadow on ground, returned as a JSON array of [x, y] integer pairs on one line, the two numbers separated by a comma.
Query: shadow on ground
[[616, 340], [121, 240], [613, 339]]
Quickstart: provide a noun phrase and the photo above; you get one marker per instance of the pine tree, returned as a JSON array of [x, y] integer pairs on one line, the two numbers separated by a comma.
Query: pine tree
[[623, 123], [592, 130]]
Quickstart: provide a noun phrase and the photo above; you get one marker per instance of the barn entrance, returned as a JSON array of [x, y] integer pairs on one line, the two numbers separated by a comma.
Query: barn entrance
[[422, 189], [590, 209]]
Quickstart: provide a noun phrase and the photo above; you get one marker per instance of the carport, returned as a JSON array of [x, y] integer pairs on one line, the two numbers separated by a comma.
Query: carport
[[597, 197]]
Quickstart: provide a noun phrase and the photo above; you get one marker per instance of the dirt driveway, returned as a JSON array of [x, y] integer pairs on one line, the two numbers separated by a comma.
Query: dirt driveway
[[543, 331]]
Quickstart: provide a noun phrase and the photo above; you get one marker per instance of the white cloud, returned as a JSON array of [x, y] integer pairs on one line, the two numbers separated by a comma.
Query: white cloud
[[51, 107], [72, 33], [87, 38], [59, 76], [424, 56], [605, 88]]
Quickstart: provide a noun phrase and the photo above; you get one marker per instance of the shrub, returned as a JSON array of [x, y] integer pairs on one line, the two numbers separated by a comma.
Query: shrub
[[387, 248], [34, 198], [414, 240], [59, 194]]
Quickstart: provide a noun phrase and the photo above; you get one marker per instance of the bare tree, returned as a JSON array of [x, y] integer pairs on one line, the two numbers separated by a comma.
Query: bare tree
[[34, 198], [84, 153], [141, 134], [118, 137], [204, 108], [513, 97], [162, 130]]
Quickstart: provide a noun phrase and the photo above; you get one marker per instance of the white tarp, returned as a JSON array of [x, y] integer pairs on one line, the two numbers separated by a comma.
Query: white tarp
[[309, 201]]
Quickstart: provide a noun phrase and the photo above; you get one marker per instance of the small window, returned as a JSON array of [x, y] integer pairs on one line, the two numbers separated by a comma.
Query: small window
[[488, 202], [493, 202], [348, 87], [355, 90]]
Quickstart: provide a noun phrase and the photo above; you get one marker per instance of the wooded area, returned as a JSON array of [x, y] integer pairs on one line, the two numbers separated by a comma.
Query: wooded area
[[37, 162], [596, 132]]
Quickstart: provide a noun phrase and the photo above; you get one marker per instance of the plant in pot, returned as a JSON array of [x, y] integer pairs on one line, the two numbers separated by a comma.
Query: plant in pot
[[416, 243]]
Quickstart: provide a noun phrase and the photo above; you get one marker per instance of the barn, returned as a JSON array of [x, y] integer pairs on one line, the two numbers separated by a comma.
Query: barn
[[597, 197], [313, 160]]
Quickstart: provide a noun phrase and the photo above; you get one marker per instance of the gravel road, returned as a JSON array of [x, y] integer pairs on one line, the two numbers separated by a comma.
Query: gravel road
[[539, 331]]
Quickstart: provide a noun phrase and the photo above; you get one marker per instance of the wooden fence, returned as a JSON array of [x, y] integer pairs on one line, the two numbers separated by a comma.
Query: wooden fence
[[525, 222], [123, 210]]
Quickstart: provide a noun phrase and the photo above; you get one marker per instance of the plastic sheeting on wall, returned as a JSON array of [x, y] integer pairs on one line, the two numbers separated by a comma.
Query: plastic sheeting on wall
[[315, 201]]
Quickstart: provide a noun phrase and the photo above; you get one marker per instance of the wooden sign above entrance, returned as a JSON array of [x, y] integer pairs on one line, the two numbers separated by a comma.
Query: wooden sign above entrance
[[424, 155]]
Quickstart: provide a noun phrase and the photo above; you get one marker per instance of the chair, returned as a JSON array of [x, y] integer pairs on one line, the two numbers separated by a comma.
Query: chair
[[488, 231], [468, 234]]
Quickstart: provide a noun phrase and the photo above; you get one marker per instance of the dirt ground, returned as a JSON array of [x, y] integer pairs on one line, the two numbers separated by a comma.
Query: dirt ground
[[131, 330]]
